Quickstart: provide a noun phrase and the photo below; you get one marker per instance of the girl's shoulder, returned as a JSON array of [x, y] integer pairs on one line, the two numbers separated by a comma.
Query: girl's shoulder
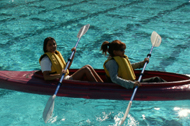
[[44, 57], [111, 61]]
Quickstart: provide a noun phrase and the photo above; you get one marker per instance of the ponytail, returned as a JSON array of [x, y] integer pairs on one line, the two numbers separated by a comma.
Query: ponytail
[[105, 47]]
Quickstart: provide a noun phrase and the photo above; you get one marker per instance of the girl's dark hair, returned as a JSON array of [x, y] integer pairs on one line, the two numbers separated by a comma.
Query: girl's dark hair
[[110, 47], [46, 41]]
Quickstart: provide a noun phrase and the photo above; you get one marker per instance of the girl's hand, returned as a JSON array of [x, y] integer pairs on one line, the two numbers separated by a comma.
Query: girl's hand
[[146, 60], [137, 84], [73, 49], [64, 71]]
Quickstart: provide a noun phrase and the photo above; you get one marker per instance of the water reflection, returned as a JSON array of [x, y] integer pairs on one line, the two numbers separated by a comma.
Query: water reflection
[[182, 112]]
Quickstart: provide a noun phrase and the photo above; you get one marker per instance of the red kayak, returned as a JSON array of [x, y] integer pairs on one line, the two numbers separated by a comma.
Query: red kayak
[[177, 86]]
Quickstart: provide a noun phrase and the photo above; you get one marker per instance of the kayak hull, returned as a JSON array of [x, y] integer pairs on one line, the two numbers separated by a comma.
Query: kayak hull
[[177, 86]]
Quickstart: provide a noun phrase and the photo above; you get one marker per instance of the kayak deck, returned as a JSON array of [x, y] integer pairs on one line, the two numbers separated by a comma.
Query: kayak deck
[[177, 86]]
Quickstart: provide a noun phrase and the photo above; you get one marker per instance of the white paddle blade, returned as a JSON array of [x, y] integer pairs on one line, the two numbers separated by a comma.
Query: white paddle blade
[[49, 109], [155, 39], [83, 30], [126, 113]]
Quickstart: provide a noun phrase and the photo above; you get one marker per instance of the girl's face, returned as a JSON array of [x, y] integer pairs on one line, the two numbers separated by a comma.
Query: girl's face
[[119, 52], [51, 46]]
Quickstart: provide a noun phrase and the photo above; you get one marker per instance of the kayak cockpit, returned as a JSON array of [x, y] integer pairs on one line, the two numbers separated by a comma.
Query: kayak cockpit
[[169, 77]]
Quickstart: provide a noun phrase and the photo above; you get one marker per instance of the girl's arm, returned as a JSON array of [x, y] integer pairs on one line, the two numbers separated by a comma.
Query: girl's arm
[[140, 64], [48, 76]]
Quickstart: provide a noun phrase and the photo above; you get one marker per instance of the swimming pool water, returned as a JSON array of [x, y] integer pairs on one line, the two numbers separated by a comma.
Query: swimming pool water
[[24, 24]]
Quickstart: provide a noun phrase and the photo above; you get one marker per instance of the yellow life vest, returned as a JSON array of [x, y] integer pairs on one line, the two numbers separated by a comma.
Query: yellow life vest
[[125, 70], [57, 61]]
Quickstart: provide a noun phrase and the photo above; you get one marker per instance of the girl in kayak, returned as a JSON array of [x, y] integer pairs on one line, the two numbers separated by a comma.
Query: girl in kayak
[[118, 68], [52, 64]]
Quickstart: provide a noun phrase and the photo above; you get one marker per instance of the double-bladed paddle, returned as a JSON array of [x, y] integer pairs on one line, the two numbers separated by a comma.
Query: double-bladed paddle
[[155, 40], [50, 104]]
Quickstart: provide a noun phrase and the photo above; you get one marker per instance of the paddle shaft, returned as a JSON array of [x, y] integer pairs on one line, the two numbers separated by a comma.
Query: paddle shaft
[[155, 40], [140, 77], [62, 77], [135, 90]]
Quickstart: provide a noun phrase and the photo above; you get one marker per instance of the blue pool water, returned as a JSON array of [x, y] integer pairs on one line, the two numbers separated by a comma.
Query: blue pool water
[[25, 23]]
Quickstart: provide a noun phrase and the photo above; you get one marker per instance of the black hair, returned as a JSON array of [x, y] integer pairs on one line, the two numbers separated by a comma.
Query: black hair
[[46, 41]]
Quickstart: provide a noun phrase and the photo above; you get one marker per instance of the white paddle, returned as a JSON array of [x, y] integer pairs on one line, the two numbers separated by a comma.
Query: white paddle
[[155, 40], [50, 104]]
